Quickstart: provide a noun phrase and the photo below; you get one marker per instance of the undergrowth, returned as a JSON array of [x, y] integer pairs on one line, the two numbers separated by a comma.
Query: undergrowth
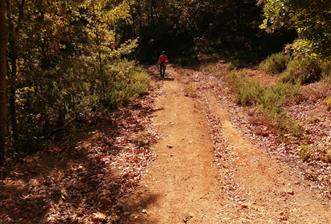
[[55, 104], [305, 152], [303, 71], [275, 63], [328, 103], [270, 99], [328, 154], [314, 152]]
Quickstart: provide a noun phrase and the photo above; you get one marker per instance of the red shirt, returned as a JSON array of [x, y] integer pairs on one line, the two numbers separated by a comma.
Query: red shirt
[[163, 59]]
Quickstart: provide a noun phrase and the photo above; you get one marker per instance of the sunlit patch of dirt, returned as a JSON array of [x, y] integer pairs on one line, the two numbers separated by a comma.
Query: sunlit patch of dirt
[[310, 111], [266, 79]]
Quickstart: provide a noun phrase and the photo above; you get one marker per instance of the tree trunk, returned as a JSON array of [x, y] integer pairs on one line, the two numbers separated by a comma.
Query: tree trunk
[[12, 81], [13, 32], [3, 74]]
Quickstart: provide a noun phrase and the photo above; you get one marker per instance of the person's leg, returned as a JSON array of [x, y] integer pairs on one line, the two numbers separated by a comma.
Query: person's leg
[[164, 70], [161, 71]]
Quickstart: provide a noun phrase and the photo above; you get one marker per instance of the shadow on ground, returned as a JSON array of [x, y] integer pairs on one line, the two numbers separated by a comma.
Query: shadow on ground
[[81, 181]]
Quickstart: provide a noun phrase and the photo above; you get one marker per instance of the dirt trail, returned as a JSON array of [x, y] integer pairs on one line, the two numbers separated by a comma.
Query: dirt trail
[[267, 191], [183, 178], [187, 186]]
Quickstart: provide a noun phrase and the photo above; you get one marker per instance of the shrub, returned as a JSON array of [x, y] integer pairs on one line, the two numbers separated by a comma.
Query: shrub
[[288, 125], [328, 154], [270, 99], [248, 90], [303, 71], [326, 68], [275, 96], [275, 63], [231, 66], [60, 96], [305, 152], [328, 103], [124, 82]]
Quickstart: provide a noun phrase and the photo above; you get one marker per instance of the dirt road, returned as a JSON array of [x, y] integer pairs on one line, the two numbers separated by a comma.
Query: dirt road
[[188, 186]]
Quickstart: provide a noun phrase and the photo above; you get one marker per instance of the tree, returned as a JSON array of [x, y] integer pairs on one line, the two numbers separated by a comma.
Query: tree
[[3, 74], [14, 29], [59, 59], [189, 27], [310, 19]]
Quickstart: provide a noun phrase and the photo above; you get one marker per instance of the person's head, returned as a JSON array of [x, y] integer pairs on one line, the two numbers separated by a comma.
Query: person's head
[[163, 52]]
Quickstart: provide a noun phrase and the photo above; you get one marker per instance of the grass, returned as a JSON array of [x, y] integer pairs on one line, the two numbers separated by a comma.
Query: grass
[[303, 71], [314, 152], [190, 91], [297, 70], [211, 68], [248, 91], [275, 63], [327, 79], [305, 152], [270, 99], [126, 82], [328, 154], [327, 102], [326, 68], [289, 125]]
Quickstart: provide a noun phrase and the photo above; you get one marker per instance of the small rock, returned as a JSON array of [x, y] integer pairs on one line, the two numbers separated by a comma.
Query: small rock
[[244, 206], [290, 192], [284, 216], [99, 216], [187, 218], [170, 146]]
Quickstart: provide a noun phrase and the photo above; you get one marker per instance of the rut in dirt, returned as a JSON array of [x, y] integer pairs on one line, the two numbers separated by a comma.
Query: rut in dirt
[[189, 184]]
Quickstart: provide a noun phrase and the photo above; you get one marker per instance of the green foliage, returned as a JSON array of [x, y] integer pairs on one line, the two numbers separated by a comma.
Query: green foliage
[[275, 96], [328, 103], [328, 153], [189, 27], [248, 91], [310, 19], [275, 63], [126, 83], [303, 49], [303, 71], [269, 99], [305, 151], [288, 125], [69, 59], [326, 68], [64, 95]]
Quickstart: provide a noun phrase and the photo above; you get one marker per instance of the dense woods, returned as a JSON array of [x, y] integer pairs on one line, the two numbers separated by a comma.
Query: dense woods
[[68, 59], [63, 61], [187, 28]]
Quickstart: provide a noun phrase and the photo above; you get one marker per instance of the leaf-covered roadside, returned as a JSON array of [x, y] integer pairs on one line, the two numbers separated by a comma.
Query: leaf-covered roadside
[[83, 179], [310, 112]]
